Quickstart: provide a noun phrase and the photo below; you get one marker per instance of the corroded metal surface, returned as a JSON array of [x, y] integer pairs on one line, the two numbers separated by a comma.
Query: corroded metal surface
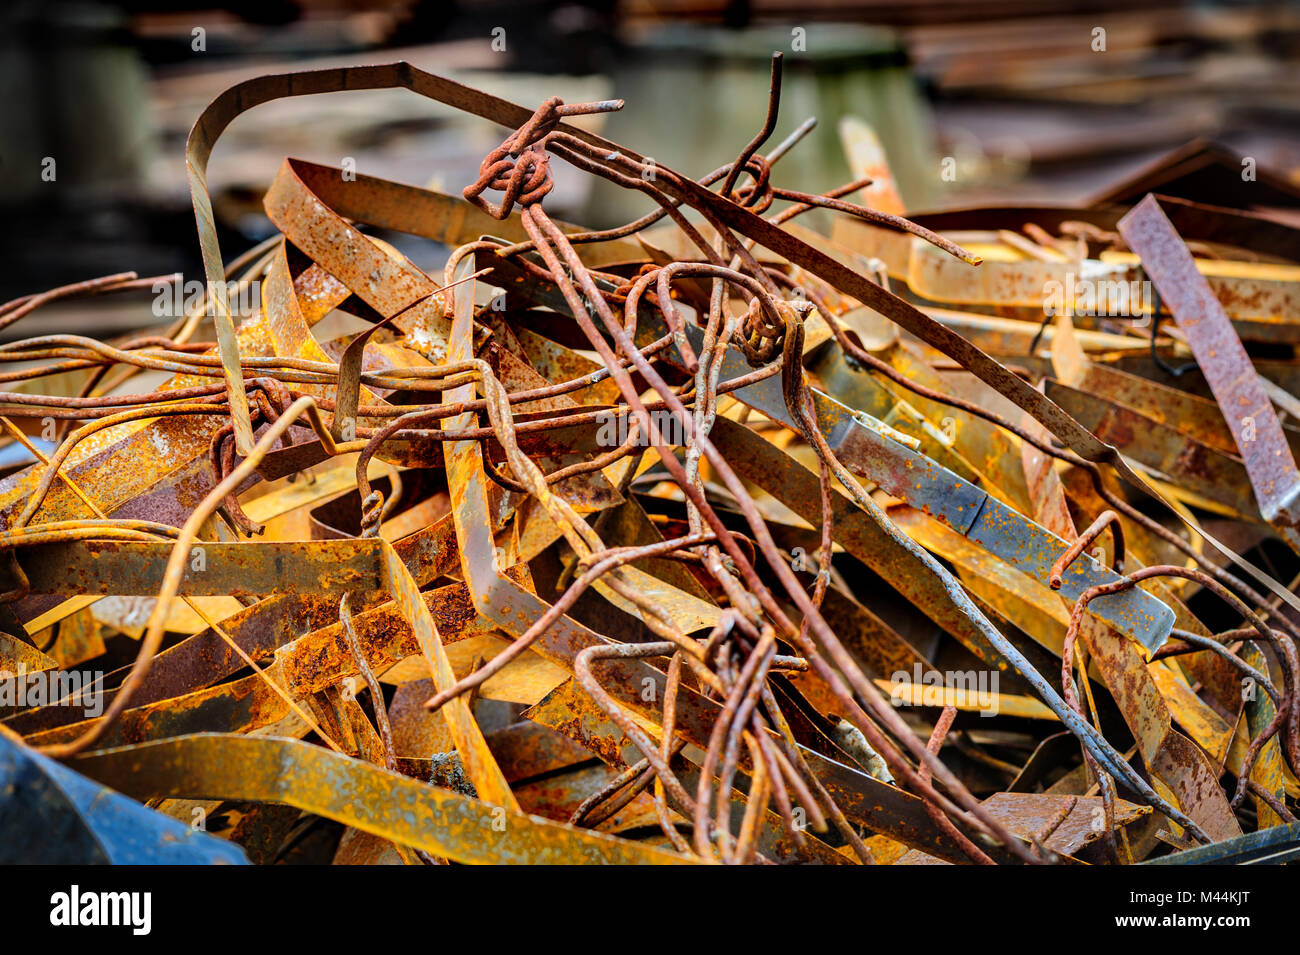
[[587, 551]]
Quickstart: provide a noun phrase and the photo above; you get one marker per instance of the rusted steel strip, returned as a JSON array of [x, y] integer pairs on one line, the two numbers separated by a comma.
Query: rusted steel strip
[[357, 794], [477, 758], [1188, 462], [136, 567], [1198, 417], [308, 664], [386, 283], [1224, 362], [426, 212], [347, 393], [204, 658]]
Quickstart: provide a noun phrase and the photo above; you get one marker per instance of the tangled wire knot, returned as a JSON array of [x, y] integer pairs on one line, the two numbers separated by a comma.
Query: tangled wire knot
[[520, 166]]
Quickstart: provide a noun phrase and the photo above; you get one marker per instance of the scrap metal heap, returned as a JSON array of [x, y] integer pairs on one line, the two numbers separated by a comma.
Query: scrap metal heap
[[686, 541]]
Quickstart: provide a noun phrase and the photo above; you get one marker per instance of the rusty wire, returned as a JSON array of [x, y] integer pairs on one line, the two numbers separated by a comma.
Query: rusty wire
[[728, 692]]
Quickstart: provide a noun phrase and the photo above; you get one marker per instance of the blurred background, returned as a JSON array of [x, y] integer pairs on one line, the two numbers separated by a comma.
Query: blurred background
[[974, 101]]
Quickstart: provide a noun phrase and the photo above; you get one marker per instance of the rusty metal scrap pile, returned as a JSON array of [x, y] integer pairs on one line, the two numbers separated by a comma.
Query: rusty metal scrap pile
[[710, 538]]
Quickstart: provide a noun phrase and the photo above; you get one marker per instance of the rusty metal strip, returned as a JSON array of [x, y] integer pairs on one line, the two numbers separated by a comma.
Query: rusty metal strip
[[136, 567], [1224, 362], [357, 794]]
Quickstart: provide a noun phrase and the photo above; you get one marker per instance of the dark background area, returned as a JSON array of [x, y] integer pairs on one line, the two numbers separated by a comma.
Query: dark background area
[[1016, 93]]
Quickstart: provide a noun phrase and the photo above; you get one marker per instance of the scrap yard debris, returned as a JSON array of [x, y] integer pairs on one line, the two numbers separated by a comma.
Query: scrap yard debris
[[711, 538]]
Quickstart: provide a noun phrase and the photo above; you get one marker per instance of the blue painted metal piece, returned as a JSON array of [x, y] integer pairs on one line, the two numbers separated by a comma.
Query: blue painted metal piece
[[51, 815], [1276, 846]]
